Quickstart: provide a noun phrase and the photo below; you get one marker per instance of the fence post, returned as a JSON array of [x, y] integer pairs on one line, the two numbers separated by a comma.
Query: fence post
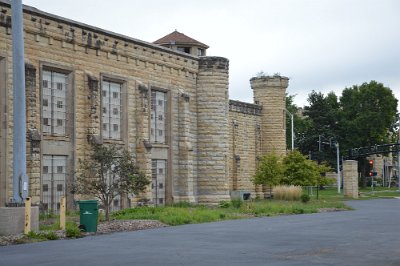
[[62, 213], [27, 227]]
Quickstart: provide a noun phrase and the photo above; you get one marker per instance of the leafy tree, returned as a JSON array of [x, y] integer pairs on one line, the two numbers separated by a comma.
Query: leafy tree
[[107, 173], [367, 118], [300, 171], [269, 171], [322, 180], [300, 124], [294, 169], [322, 118], [368, 115]]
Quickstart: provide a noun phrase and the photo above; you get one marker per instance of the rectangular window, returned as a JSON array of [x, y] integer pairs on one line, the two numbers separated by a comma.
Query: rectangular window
[[158, 170], [111, 109], [200, 52], [115, 128], [60, 169], [54, 96], [46, 122], [157, 116], [53, 180]]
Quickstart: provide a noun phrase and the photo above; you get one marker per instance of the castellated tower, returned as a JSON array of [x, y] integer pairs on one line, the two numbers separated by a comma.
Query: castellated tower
[[212, 130], [270, 93]]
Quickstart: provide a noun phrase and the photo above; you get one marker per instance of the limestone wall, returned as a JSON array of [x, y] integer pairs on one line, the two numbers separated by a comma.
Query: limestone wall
[[87, 54], [244, 145]]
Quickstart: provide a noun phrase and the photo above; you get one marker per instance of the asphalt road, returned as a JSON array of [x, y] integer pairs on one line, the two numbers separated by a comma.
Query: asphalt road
[[370, 235]]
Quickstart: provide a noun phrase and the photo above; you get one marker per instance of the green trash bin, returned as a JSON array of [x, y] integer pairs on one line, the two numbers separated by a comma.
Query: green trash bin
[[89, 212]]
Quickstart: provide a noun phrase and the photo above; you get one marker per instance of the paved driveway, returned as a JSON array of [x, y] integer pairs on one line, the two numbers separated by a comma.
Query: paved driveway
[[370, 235]]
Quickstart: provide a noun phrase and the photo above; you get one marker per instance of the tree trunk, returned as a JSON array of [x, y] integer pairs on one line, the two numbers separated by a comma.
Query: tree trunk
[[107, 211]]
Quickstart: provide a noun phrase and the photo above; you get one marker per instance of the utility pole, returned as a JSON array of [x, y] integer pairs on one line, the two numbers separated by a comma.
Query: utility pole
[[338, 166], [20, 179], [398, 150]]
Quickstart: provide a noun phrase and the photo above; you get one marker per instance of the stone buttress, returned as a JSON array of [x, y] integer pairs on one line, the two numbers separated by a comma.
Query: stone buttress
[[212, 130]]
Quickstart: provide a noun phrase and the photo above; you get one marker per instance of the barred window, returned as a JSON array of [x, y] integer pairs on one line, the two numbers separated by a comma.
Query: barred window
[[53, 102], [53, 180], [111, 101], [157, 116]]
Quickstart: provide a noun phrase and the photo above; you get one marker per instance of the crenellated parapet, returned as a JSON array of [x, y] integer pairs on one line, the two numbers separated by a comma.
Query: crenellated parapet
[[245, 108]]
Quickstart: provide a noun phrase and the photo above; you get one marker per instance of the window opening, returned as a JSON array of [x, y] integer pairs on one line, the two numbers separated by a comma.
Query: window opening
[[53, 181], [54, 109], [111, 109], [158, 173], [157, 117]]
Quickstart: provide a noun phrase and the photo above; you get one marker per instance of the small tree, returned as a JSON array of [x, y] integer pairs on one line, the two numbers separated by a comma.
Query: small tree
[[108, 173], [299, 170], [269, 171]]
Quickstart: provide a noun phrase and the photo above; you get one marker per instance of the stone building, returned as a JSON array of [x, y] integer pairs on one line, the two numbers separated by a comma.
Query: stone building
[[166, 103]]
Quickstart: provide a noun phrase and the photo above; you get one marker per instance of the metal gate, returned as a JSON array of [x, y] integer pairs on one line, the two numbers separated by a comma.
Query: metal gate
[[53, 182]]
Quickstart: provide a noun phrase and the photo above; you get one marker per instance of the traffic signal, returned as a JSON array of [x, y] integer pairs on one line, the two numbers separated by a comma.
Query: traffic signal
[[371, 168]]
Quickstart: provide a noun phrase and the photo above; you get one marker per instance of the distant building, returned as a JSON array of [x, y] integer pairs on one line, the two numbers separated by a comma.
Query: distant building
[[180, 42], [166, 102]]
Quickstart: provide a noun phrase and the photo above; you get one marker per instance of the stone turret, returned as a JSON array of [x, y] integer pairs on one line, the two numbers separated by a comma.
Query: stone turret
[[212, 128], [270, 93]]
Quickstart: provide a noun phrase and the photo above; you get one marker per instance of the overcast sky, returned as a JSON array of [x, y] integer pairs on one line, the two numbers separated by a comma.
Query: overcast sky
[[319, 44]]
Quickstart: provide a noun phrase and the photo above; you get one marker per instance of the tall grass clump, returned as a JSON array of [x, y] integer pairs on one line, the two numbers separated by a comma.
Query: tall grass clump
[[287, 192]]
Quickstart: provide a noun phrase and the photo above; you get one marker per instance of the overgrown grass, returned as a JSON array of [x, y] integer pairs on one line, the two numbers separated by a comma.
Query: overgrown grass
[[188, 213], [72, 230], [177, 215], [287, 192], [52, 225], [173, 215]]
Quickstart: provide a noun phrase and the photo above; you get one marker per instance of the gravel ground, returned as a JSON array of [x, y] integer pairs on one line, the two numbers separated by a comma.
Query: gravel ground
[[102, 228]]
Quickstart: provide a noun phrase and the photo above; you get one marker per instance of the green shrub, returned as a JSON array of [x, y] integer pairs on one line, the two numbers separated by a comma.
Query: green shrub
[[305, 198], [236, 203], [297, 210], [72, 230], [42, 236], [51, 235], [34, 235], [224, 204]]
